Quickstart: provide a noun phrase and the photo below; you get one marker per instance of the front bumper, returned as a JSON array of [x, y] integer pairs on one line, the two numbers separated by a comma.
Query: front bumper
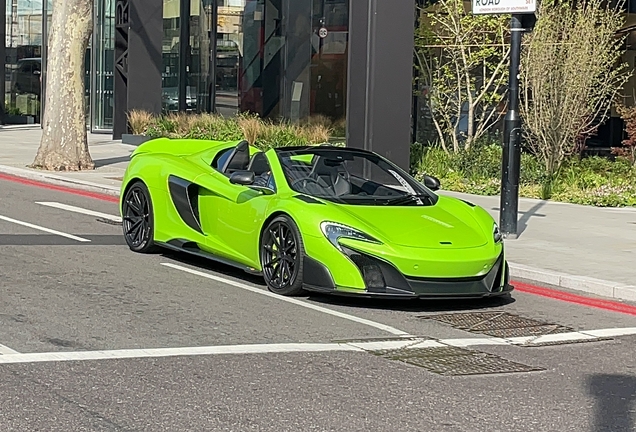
[[384, 280]]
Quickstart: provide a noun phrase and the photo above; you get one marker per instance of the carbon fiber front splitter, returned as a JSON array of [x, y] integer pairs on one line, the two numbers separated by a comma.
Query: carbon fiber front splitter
[[396, 285]]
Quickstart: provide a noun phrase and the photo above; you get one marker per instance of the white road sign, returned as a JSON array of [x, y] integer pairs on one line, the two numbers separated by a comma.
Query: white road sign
[[484, 7], [323, 32]]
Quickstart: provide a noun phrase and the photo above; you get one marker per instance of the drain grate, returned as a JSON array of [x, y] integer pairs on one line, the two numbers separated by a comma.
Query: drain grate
[[498, 324], [454, 361]]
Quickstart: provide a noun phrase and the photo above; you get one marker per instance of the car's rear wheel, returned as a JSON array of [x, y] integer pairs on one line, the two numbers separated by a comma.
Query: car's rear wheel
[[281, 254], [138, 220]]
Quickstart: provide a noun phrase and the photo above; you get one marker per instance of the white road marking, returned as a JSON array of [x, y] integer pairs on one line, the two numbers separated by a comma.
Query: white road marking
[[80, 210], [5, 350], [292, 300], [174, 352], [549, 338], [572, 336], [360, 347], [611, 332], [48, 230], [474, 341]]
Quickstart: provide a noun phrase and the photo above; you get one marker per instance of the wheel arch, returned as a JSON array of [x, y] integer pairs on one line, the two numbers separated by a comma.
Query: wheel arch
[[131, 181], [268, 220]]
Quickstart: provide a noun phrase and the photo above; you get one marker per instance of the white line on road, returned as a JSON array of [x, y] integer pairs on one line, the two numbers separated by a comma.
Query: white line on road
[[5, 350], [48, 230], [79, 210], [474, 341], [611, 332], [173, 352], [361, 347], [292, 300], [550, 338]]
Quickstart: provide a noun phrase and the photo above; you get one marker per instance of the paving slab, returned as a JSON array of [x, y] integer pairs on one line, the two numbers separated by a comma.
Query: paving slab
[[18, 147]]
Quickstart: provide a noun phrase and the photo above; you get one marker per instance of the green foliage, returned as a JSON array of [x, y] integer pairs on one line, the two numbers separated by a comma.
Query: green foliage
[[462, 61], [262, 133], [591, 181], [571, 71]]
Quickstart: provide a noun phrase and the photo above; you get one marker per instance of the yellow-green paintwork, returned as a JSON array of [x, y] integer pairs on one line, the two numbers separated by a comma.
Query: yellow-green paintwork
[[232, 217]]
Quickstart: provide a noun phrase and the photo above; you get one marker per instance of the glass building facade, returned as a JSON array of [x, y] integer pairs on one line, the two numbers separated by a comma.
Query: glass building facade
[[276, 58], [22, 59]]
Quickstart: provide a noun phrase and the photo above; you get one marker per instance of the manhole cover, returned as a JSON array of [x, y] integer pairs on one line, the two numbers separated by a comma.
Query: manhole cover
[[498, 324], [453, 361]]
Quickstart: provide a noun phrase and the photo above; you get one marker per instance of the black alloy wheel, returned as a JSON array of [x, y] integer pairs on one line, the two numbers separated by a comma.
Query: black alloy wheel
[[282, 254], [138, 220]]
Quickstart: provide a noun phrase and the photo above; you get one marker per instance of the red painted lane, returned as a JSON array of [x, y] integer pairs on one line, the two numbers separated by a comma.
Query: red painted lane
[[607, 305], [64, 189]]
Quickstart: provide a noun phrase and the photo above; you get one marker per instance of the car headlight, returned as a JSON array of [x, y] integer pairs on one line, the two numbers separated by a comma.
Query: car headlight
[[334, 231], [496, 234]]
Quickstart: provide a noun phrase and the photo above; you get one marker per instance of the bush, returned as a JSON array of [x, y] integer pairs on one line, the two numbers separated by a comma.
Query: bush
[[261, 133], [591, 181]]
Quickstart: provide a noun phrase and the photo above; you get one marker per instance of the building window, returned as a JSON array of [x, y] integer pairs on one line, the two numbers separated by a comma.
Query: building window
[[294, 74], [23, 62]]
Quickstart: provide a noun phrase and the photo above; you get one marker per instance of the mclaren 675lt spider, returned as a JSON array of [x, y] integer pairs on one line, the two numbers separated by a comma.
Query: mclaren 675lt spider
[[311, 218]]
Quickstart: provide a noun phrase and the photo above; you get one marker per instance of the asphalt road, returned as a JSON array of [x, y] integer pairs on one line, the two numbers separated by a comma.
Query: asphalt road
[[94, 337]]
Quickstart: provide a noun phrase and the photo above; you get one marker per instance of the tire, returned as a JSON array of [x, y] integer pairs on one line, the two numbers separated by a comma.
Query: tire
[[281, 279], [138, 219]]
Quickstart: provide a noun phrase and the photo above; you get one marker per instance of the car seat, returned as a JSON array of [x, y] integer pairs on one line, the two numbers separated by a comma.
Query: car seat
[[329, 178]]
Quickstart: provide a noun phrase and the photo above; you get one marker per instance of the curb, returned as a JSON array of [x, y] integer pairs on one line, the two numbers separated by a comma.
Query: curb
[[589, 285], [47, 177]]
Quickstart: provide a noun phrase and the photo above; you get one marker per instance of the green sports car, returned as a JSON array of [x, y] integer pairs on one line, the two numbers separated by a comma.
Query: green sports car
[[317, 218]]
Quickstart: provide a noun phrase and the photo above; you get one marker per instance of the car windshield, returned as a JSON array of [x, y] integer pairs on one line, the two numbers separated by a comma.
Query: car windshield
[[351, 176]]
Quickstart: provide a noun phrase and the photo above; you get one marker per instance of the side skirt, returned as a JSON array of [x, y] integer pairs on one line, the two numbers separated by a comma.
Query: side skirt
[[182, 245]]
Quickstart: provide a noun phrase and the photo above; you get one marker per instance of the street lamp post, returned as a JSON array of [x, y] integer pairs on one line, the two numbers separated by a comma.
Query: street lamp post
[[511, 161], [521, 20]]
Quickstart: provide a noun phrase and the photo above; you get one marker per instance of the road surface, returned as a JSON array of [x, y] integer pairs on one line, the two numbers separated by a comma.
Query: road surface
[[94, 337]]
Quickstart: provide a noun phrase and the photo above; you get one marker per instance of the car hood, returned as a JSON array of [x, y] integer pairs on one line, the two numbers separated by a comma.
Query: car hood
[[420, 226]]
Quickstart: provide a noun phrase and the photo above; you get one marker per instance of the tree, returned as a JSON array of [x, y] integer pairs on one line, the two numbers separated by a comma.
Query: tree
[[463, 59], [571, 72], [64, 144], [628, 115]]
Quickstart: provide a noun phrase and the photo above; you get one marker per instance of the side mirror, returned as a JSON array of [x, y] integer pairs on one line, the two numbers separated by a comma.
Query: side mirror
[[244, 178], [431, 182]]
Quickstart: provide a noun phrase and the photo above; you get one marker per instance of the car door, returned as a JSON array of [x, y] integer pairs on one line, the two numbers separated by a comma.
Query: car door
[[236, 212]]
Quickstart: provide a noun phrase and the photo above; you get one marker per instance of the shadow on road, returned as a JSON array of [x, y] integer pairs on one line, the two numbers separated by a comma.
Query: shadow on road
[[402, 305], [615, 402]]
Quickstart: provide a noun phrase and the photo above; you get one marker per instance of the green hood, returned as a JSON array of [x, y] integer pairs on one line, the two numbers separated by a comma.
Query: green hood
[[419, 226]]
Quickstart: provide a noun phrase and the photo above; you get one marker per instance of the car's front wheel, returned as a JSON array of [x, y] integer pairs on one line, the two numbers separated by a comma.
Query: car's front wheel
[[281, 254], [138, 219]]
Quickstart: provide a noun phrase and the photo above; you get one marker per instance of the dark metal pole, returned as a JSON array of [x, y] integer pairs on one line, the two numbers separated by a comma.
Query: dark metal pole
[[3, 56], [184, 52], [44, 58], [213, 55], [512, 140]]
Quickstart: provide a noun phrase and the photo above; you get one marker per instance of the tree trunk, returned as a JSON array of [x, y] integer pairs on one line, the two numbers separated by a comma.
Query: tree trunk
[[64, 144]]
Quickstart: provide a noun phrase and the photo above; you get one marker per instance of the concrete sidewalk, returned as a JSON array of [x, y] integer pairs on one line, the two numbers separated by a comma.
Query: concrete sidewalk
[[571, 246]]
